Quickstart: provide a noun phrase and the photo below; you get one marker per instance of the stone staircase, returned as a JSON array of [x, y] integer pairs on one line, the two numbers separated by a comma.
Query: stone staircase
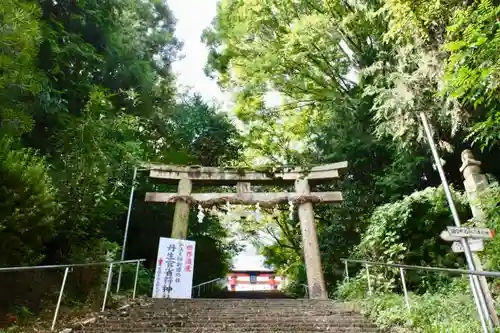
[[256, 312]]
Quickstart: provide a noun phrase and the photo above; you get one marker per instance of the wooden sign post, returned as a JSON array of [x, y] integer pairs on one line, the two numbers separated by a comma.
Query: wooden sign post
[[303, 198]]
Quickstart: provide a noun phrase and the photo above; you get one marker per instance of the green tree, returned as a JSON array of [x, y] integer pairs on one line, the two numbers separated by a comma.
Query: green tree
[[89, 92], [407, 231], [292, 50], [304, 51], [195, 132], [95, 154], [107, 80], [28, 208], [19, 78], [472, 72]]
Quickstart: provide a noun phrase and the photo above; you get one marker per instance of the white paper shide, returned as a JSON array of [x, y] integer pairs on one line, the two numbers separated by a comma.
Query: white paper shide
[[174, 268]]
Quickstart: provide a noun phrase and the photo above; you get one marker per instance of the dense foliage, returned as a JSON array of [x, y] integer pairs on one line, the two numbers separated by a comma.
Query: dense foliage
[[325, 81], [86, 94], [29, 209], [456, 312]]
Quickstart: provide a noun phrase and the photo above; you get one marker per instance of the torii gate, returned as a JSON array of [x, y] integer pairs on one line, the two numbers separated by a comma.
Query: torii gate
[[302, 178]]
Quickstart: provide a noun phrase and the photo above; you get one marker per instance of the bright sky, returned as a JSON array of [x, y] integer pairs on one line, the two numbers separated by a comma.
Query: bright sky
[[193, 16]]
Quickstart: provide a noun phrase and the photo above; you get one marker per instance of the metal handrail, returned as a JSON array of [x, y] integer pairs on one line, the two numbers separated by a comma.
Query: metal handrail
[[402, 268], [65, 276], [494, 274], [203, 284], [29, 268], [207, 282]]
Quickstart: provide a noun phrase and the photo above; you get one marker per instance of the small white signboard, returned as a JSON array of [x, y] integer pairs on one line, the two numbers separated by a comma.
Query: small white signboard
[[478, 233], [174, 268], [476, 245], [445, 235]]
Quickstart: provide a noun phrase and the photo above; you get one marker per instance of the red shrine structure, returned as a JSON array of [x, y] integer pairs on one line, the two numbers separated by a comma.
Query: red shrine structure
[[244, 280]]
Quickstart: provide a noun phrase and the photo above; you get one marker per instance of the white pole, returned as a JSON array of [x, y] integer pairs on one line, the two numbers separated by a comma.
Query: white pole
[[482, 317], [125, 234], [136, 277], [405, 291], [60, 298], [478, 295], [346, 271], [368, 279], [108, 283]]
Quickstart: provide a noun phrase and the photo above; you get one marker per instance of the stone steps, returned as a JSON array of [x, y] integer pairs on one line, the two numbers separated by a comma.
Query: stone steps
[[339, 322], [231, 329], [232, 315]]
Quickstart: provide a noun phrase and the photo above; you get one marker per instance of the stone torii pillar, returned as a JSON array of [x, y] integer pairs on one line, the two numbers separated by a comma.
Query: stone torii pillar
[[302, 179], [475, 182], [181, 212], [312, 256]]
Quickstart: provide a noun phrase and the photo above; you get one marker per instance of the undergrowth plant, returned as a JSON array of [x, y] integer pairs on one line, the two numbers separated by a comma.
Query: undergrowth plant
[[451, 309]]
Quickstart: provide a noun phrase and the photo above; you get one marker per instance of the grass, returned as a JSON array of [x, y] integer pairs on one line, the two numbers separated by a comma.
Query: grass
[[447, 310], [429, 313]]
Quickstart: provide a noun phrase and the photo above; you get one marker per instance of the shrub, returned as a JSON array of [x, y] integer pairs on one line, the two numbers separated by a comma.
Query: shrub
[[407, 231], [451, 309], [28, 212], [27, 206]]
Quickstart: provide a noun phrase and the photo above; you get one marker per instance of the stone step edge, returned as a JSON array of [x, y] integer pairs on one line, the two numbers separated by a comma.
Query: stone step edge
[[89, 321]]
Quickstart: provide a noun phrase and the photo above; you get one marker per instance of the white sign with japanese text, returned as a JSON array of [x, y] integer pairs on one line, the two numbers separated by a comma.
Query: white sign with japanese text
[[174, 268], [477, 233]]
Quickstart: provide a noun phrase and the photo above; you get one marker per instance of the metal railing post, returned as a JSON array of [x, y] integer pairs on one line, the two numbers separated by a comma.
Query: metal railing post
[[346, 271], [405, 291], [482, 317], [199, 291], [125, 234], [136, 278], [368, 279], [119, 281], [108, 284], [59, 299]]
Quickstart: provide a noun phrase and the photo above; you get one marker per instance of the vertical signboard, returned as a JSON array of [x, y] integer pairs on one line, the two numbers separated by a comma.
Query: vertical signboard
[[174, 269]]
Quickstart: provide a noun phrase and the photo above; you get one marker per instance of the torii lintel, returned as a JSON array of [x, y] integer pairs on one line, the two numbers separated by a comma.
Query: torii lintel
[[202, 175]]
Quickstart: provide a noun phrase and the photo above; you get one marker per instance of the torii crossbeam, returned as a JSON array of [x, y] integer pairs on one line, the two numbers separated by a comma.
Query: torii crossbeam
[[302, 197]]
